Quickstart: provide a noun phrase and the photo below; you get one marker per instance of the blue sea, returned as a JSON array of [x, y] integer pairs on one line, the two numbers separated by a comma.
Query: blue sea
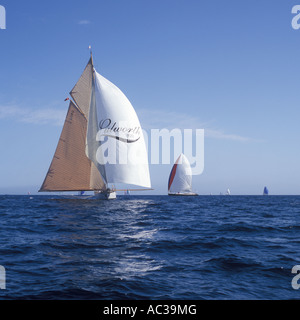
[[150, 247]]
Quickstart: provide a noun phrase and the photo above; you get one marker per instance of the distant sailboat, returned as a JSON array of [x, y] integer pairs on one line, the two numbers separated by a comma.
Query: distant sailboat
[[180, 179], [228, 192], [266, 191], [100, 121]]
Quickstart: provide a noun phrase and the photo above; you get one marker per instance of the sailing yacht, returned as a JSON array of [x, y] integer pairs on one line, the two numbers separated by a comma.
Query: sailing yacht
[[180, 179], [266, 191], [228, 192], [101, 143]]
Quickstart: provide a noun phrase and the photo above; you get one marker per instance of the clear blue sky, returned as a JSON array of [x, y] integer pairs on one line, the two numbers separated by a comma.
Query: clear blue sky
[[230, 67]]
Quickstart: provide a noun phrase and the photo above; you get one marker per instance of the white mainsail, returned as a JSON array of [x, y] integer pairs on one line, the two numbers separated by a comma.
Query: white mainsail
[[180, 179], [100, 121], [115, 141]]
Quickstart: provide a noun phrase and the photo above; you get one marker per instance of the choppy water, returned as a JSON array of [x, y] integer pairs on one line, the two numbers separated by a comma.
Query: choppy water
[[150, 247]]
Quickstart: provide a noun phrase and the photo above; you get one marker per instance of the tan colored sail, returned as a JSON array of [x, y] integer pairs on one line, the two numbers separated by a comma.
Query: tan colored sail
[[81, 93], [70, 169], [96, 182]]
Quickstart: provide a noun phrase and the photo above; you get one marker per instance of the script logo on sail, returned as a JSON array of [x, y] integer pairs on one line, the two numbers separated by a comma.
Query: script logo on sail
[[119, 131]]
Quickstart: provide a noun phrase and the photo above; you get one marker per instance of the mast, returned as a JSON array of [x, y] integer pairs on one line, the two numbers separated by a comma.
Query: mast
[[91, 53]]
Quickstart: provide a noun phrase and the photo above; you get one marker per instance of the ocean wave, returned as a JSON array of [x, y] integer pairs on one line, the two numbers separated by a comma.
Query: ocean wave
[[149, 247]]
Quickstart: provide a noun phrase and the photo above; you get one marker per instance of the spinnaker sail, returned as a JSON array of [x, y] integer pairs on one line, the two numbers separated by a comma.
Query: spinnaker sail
[[180, 179]]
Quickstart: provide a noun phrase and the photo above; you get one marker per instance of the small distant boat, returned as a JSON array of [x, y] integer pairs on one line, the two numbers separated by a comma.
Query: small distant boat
[[266, 191], [180, 179], [228, 192]]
